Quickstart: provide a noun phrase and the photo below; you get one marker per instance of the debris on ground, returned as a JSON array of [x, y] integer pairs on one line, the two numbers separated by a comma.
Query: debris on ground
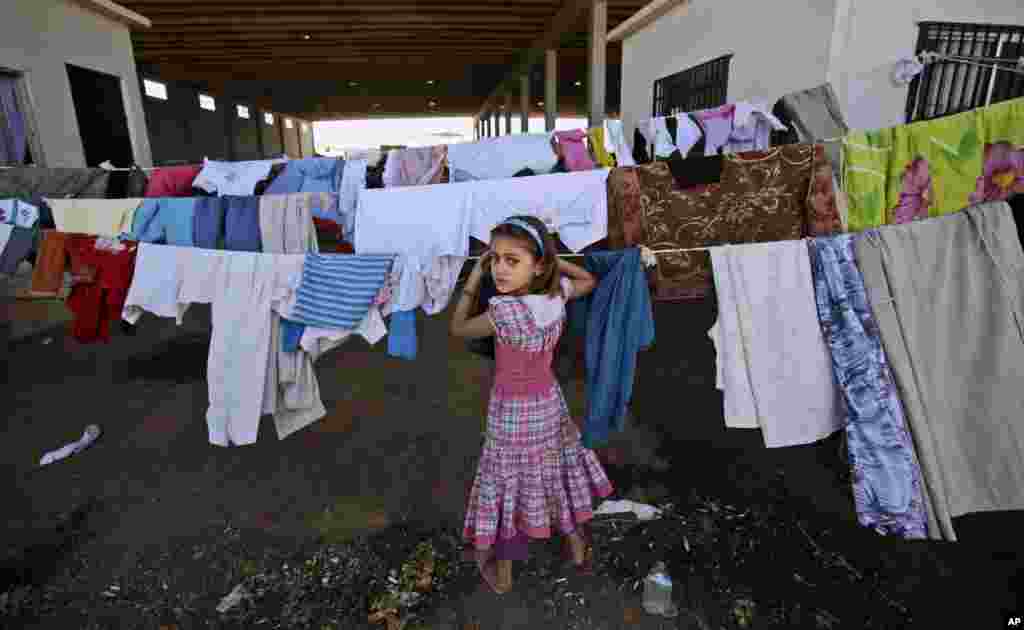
[[234, 598], [404, 588], [642, 511], [733, 565], [91, 433]]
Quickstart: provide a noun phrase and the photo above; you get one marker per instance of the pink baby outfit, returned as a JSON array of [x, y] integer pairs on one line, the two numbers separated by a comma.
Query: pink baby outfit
[[534, 475], [575, 152]]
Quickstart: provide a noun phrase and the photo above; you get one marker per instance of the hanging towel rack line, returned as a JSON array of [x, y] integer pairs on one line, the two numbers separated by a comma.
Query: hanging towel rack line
[[669, 251]]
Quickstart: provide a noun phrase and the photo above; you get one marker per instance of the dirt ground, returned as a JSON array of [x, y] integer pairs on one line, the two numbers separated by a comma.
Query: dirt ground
[[151, 527]]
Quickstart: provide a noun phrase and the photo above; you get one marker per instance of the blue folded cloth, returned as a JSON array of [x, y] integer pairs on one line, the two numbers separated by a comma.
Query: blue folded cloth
[[402, 340], [242, 223]]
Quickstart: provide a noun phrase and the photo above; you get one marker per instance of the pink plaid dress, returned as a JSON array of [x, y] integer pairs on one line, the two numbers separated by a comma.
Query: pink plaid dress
[[534, 474]]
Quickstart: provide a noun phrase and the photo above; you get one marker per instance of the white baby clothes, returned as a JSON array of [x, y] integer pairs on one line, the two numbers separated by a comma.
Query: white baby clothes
[[770, 336], [233, 178], [615, 142]]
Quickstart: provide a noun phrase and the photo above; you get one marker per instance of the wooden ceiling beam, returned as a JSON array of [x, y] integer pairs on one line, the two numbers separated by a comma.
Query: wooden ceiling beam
[[445, 69], [330, 52], [144, 43], [272, 56], [314, 21], [565, 21], [331, 27], [314, 10], [142, 5]]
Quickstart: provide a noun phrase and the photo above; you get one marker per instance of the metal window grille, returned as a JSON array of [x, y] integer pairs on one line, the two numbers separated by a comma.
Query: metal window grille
[[700, 87], [949, 87]]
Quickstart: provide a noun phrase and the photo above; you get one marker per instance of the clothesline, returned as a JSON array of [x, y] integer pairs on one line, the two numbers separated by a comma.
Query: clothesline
[[653, 251]]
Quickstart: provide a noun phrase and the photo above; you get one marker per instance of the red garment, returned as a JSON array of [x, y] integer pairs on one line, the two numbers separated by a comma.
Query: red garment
[[103, 278], [326, 227], [172, 181]]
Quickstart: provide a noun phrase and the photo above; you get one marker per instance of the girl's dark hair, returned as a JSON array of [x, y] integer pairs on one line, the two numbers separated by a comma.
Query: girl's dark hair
[[548, 281]]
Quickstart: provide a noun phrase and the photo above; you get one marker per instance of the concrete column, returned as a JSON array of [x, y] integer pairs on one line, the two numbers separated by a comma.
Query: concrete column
[[550, 89], [497, 125], [524, 103], [508, 113], [597, 56]]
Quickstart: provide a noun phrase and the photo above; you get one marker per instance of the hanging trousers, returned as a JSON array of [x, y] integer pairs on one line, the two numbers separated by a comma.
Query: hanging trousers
[[886, 475]]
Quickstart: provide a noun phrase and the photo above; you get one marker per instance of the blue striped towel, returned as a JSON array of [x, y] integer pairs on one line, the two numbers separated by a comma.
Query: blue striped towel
[[337, 290]]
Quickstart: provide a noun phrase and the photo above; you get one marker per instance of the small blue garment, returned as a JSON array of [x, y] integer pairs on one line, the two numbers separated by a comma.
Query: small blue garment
[[619, 323], [337, 290], [165, 220], [457, 175], [308, 175], [402, 335], [242, 223], [291, 335], [208, 222]]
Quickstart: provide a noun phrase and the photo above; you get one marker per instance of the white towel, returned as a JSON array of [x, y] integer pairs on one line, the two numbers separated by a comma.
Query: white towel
[[497, 158], [573, 204], [731, 347], [767, 300]]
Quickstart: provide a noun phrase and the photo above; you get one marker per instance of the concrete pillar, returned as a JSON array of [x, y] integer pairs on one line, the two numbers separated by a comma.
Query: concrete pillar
[[508, 112], [550, 89], [597, 55], [497, 125], [524, 103]]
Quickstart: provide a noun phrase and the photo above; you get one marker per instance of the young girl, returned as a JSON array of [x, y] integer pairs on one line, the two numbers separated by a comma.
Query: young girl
[[534, 475]]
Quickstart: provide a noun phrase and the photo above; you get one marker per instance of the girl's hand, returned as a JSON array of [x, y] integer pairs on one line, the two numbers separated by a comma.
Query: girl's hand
[[483, 263]]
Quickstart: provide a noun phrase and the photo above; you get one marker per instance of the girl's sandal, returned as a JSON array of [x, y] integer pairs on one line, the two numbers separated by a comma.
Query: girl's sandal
[[489, 573], [587, 566]]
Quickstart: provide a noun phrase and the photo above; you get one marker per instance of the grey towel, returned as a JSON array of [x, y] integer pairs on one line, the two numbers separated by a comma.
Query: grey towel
[[816, 115], [948, 295]]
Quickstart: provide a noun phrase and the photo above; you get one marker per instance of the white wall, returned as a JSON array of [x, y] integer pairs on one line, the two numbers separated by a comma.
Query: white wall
[[37, 38], [876, 33], [779, 46]]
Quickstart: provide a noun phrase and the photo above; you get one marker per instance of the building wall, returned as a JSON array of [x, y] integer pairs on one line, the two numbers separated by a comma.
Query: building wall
[[245, 134], [272, 146], [38, 39], [778, 47], [182, 132], [871, 35], [789, 45]]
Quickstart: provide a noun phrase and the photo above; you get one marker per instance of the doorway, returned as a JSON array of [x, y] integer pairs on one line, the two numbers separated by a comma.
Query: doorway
[[14, 135], [102, 122]]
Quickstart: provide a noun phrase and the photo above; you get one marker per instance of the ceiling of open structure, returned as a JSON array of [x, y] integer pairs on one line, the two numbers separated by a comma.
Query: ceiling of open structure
[[380, 57]]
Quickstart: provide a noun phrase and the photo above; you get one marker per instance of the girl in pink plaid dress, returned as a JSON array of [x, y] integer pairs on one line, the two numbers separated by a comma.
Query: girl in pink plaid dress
[[534, 476]]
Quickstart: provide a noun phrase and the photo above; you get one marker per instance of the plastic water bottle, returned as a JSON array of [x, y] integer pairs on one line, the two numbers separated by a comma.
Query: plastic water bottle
[[658, 592]]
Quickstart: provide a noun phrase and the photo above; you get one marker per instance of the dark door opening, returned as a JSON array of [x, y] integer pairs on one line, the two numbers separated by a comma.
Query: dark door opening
[[102, 123], [14, 149]]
